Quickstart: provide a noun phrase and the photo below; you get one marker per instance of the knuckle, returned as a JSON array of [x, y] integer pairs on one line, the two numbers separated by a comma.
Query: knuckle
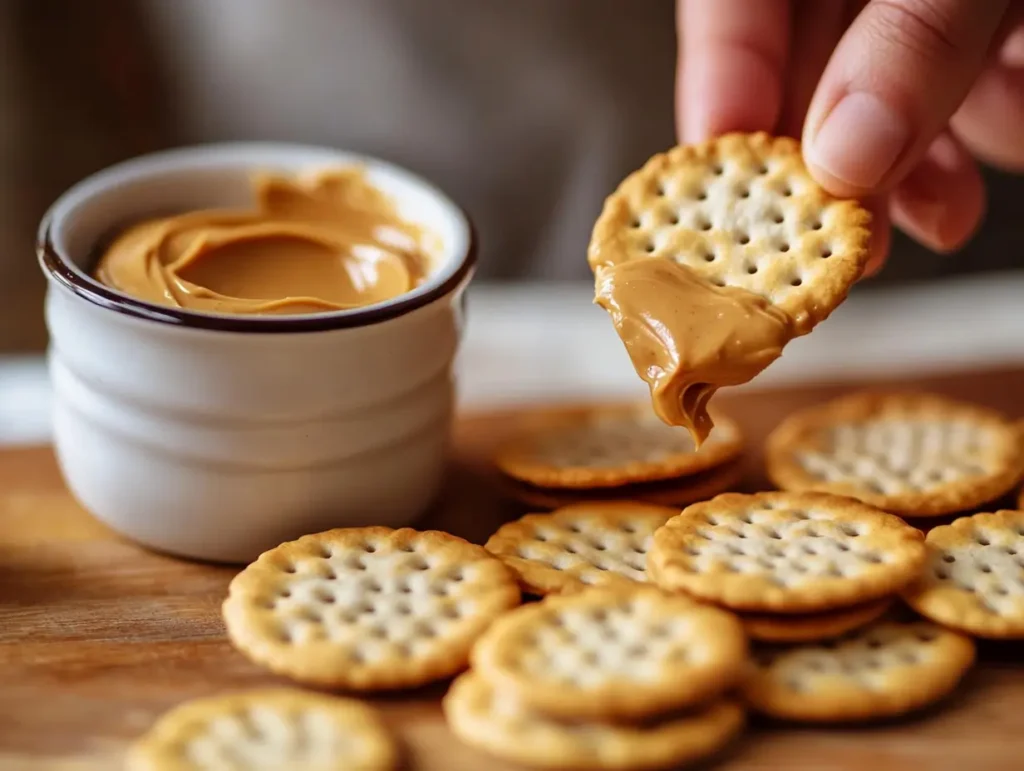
[[924, 27]]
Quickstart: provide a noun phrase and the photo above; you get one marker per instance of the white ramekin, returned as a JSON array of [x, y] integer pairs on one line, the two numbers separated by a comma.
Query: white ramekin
[[216, 437]]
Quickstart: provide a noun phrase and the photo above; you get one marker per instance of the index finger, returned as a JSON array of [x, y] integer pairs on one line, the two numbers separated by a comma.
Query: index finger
[[732, 57]]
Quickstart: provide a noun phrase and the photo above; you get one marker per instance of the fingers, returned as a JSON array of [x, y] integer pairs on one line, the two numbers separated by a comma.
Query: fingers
[[817, 27], [895, 79], [732, 54], [942, 201], [991, 120]]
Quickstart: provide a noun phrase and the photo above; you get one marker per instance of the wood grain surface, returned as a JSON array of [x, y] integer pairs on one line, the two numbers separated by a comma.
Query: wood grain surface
[[98, 636]]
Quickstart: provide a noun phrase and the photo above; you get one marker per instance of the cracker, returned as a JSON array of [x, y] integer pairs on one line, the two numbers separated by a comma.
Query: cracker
[[784, 552], [367, 608], [484, 718], [974, 578], [678, 492], [879, 671], [612, 446], [274, 729], [913, 454], [811, 627], [740, 210], [582, 545], [609, 654]]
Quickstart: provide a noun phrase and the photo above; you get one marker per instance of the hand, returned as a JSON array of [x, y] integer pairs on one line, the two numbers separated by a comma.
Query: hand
[[892, 98]]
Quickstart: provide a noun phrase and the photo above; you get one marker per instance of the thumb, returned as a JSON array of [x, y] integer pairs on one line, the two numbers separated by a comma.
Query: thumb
[[896, 77]]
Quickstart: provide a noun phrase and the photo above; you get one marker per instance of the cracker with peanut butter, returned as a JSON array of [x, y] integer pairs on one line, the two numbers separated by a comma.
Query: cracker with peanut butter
[[914, 454], [586, 544], [367, 608], [782, 552], [485, 718], [883, 670], [612, 653], [611, 446], [974, 579], [711, 257], [279, 729]]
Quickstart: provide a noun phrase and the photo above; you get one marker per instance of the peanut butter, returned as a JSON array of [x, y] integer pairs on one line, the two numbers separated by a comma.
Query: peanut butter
[[688, 337], [326, 244]]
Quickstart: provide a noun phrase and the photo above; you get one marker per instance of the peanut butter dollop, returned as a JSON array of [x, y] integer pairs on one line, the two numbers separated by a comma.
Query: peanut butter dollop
[[688, 337], [324, 244]]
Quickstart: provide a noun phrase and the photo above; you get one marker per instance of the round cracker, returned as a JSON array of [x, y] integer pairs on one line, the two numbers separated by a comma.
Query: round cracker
[[974, 577], [367, 608], [740, 210], [678, 492], [612, 446], [484, 718], [783, 552], [883, 670], [913, 454], [812, 627], [585, 544], [612, 654], [277, 729]]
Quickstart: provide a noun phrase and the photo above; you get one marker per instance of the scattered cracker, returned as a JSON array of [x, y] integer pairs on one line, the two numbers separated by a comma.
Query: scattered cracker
[[812, 627], [740, 210], [880, 671], [784, 552], [276, 729], [612, 446], [605, 654], [483, 718], [909, 453], [974, 578], [582, 545], [367, 608], [678, 492]]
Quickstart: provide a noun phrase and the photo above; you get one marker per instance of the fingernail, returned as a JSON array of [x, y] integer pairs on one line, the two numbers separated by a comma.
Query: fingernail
[[860, 140]]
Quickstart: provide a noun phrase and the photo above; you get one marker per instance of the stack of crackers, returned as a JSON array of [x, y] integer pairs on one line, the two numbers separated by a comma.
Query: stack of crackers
[[624, 452], [654, 628]]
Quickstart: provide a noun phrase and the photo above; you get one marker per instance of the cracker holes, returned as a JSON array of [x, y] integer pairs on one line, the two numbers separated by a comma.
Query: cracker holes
[[326, 552], [752, 269], [323, 595], [628, 527], [851, 530], [796, 281], [649, 248], [825, 252], [710, 256], [743, 192], [419, 563], [718, 168], [702, 195], [762, 170], [575, 527], [289, 567], [784, 247], [369, 548], [981, 540], [777, 217], [702, 223], [786, 191], [636, 223], [926, 635], [284, 593], [673, 219]]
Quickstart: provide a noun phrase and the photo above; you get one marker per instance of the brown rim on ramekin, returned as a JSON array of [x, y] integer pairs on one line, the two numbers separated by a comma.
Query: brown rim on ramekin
[[96, 293]]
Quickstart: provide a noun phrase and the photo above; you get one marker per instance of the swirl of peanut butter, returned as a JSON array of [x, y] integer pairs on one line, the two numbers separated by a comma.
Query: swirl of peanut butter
[[687, 337], [310, 246]]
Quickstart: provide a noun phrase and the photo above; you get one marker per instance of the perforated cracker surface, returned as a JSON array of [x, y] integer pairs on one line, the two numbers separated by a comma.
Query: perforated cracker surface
[[367, 608], [740, 210], [913, 454], [612, 653], [974, 578], [267, 730], [785, 552], [611, 446], [483, 718], [880, 671], [582, 545]]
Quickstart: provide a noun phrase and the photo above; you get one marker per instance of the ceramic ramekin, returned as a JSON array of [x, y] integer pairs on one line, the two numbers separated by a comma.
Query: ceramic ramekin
[[217, 437]]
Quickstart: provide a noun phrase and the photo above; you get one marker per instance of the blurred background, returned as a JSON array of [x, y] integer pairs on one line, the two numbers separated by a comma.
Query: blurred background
[[527, 112]]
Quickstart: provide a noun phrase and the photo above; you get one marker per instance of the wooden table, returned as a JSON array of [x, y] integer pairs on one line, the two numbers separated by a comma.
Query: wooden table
[[98, 637]]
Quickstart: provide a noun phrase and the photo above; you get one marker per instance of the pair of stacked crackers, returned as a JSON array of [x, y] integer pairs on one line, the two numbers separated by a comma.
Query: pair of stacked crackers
[[609, 678], [617, 452]]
